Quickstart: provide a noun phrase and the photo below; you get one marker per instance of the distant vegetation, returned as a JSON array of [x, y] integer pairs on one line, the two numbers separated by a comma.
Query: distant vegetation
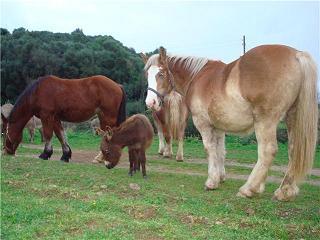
[[27, 55]]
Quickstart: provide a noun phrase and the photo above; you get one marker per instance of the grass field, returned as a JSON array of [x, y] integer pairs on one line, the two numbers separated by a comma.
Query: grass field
[[53, 200]]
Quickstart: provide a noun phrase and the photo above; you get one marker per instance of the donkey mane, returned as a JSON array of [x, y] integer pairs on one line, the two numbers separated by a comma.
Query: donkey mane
[[24, 97], [189, 63]]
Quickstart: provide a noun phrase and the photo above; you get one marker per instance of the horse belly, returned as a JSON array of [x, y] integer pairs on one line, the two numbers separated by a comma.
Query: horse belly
[[76, 115], [233, 118]]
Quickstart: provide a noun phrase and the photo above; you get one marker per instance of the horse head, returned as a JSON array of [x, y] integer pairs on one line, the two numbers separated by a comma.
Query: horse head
[[160, 79], [12, 140], [111, 152]]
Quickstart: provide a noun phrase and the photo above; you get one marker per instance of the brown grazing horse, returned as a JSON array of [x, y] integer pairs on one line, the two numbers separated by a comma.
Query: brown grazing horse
[[136, 133], [53, 100], [253, 93]]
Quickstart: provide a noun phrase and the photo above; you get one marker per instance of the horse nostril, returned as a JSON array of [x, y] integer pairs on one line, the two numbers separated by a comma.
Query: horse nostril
[[154, 102]]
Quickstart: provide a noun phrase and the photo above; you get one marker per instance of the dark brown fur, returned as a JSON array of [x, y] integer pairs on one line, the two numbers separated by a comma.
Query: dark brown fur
[[136, 133]]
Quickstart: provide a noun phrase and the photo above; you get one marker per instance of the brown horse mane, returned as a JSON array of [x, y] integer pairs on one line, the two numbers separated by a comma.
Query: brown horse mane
[[189, 63], [24, 97]]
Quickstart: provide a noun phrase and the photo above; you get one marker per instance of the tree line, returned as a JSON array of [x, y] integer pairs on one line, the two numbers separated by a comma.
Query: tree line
[[27, 55]]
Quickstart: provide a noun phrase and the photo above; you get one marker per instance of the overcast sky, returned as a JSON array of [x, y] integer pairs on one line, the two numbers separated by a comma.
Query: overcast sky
[[200, 28]]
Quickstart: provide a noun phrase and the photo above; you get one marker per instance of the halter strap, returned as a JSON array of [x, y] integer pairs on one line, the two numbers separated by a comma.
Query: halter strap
[[160, 96]]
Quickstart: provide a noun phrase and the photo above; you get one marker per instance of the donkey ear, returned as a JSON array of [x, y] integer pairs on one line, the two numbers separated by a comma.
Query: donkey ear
[[144, 57], [99, 131], [162, 55], [108, 133]]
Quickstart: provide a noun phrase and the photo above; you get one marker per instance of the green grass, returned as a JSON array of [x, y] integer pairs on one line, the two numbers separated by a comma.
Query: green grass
[[54, 200]]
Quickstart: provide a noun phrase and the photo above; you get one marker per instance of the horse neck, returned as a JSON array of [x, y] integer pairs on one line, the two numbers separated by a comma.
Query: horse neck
[[19, 117], [181, 79]]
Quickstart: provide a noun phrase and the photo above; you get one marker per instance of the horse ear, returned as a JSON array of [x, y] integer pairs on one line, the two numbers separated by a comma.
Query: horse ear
[[162, 55], [144, 57], [99, 131], [108, 133]]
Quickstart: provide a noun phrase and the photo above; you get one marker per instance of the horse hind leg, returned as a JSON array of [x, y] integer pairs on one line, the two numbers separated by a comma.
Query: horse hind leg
[[47, 134], [266, 132], [288, 188], [58, 130]]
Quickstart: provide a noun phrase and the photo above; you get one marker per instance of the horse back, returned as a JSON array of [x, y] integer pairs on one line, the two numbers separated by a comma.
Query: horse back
[[266, 72]]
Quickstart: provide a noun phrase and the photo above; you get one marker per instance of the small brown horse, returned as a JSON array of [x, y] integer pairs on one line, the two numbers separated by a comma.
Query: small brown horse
[[53, 100], [256, 91], [136, 133]]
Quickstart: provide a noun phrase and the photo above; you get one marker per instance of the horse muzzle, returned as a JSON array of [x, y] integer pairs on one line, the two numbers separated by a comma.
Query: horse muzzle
[[109, 165]]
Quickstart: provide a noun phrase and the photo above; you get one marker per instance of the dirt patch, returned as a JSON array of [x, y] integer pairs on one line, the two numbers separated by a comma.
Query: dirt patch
[[142, 212], [192, 220], [86, 156]]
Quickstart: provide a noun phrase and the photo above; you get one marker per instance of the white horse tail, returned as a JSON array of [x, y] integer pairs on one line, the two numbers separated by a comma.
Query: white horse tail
[[174, 119], [304, 129]]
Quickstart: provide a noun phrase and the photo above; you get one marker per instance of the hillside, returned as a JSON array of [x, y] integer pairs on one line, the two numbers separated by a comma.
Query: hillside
[[26, 55]]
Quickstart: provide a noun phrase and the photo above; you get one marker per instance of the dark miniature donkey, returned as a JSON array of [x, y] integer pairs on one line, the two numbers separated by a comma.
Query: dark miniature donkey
[[136, 133]]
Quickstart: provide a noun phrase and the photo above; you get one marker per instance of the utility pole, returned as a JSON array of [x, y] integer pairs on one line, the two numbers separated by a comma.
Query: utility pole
[[244, 43]]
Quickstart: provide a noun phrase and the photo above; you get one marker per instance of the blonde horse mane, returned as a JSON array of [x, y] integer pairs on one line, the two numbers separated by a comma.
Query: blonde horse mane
[[189, 63], [176, 113]]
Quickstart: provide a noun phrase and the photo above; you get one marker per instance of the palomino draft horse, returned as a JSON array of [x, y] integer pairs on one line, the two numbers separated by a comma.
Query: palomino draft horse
[[256, 91], [53, 100], [170, 119]]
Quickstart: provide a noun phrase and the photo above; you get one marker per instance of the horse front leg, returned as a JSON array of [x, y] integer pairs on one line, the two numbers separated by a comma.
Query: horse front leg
[[66, 150], [142, 159], [266, 133], [168, 143], [132, 159], [47, 134], [210, 143], [181, 130]]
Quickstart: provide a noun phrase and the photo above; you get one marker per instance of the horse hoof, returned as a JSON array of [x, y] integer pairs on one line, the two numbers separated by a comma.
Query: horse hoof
[[145, 177], [64, 160], [210, 185], [286, 193], [43, 156], [179, 160], [245, 192]]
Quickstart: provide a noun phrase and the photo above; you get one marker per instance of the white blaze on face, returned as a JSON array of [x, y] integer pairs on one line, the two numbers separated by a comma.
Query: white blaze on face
[[152, 98]]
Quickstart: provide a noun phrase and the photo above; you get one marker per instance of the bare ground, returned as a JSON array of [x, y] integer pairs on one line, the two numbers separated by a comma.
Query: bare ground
[[86, 156]]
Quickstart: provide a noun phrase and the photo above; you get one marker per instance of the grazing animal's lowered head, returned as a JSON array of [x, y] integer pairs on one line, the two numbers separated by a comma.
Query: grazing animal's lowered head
[[136, 133], [111, 152]]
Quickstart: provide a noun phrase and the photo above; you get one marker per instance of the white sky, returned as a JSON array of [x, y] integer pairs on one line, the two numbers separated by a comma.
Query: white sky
[[201, 28]]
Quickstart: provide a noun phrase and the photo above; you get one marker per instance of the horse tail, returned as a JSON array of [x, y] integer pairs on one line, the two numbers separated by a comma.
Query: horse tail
[[304, 129], [174, 103], [122, 114]]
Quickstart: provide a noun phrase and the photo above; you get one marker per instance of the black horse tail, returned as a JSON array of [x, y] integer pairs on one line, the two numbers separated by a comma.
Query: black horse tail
[[122, 115]]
